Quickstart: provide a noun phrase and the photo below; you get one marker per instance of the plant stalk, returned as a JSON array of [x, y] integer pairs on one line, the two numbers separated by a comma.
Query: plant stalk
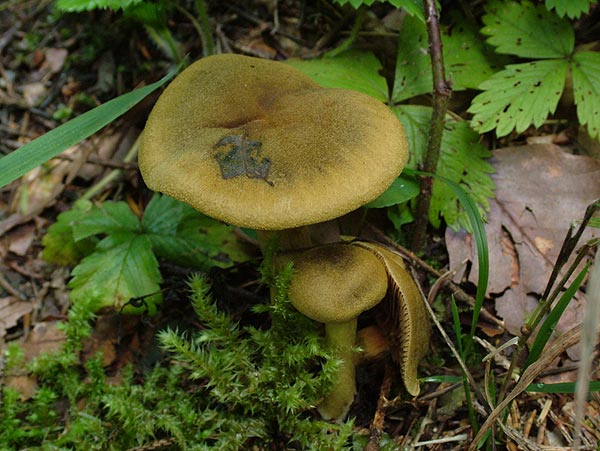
[[441, 97]]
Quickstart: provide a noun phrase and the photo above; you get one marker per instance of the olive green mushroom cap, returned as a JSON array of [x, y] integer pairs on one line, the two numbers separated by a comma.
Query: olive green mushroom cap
[[335, 283], [258, 144]]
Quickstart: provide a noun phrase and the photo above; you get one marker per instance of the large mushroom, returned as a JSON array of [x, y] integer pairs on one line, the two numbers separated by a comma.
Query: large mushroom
[[258, 144]]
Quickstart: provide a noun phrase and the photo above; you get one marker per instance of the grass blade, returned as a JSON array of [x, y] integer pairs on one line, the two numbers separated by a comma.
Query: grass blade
[[479, 234], [47, 146], [549, 323]]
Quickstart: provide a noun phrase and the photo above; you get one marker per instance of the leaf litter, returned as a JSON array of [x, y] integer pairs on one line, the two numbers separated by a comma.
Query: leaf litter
[[540, 191]]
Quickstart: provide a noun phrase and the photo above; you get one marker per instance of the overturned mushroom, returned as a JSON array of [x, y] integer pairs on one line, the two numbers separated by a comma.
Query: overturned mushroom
[[403, 316]]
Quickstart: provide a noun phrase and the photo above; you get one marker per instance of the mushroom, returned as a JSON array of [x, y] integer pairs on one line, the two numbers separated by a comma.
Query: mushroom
[[402, 315], [258, 144], [333, 284]]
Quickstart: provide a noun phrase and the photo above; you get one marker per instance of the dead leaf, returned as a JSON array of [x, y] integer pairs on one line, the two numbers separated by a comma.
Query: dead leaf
[[55, 59], [11, 311], [540, 190], [45, 338], [21, 239]]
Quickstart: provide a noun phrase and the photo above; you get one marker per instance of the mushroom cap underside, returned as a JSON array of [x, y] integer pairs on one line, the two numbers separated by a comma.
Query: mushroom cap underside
[[258, 144]]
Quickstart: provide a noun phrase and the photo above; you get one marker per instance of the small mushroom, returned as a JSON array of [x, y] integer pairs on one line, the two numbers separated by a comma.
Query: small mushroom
[[333, 284], [258, 144]]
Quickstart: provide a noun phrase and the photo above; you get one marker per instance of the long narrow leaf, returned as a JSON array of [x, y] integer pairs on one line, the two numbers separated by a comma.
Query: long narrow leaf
[[480, 241], [551, 320], [47, 146]]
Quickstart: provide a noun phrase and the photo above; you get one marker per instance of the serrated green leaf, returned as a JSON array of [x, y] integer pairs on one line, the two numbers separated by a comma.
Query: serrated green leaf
[[518, 96], [586, 86], [89, 5], [60, 246], [401, 190], [412, 7], [468, 60], [413, 66], [527, 30], [570, 8], [47, 146], [184, 236], [463, 160], [123, 268], [106, 218], [355, 69]]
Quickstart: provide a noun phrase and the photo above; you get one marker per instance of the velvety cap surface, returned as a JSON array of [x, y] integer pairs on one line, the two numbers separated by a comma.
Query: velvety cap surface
[[258, 144], [336, 282]]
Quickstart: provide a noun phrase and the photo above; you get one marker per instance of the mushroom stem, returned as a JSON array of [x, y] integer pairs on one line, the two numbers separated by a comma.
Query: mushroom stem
[[340, 337], [287, 239]]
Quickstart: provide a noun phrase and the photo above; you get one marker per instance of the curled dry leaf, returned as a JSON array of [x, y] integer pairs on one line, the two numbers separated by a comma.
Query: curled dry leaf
[[404, 317], [540, 191], [11, 311]]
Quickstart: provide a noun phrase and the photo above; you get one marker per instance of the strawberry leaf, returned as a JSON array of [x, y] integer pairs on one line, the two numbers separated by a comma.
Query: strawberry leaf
[[527, 30], [354, 69], [123, 267], [570, 8], [184, 236], [468, 60], [518, 96], [412, 7], [462, 160], [60, 245], [105, 218], [586, 87]]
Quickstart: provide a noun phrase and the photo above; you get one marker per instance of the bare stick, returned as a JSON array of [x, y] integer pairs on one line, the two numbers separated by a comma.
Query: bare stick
[[441, 96]]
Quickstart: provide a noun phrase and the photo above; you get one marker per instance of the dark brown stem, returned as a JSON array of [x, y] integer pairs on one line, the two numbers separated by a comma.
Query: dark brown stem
[[441, 96]]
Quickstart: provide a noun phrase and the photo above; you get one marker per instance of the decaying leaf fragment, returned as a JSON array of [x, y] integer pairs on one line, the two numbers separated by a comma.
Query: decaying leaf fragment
[[540, 191], [404, 317]]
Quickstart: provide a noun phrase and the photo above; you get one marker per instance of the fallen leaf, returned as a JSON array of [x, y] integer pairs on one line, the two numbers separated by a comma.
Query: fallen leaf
[[45, 338], [20, 239], [55, 59], [11, 311], [540, 191]]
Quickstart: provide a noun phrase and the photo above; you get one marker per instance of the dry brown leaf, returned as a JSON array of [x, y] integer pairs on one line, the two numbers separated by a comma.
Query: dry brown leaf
[[540, 190], [11, 311]]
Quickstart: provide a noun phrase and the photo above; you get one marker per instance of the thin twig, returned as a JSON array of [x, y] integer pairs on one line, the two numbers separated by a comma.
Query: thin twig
[[441, 97]]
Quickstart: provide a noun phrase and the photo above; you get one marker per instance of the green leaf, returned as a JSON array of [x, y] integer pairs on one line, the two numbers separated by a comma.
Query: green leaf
[[412, 7], [561, 387], [468, 60], [526, 30], [47, 146], [355, 69], [463, 160], [401, 190], [60, 245], [184, 236], [518, 96], [586, 86], [570, 8], [106, 218], [89, 5], [549, 324], [122, 268], [413, 66]]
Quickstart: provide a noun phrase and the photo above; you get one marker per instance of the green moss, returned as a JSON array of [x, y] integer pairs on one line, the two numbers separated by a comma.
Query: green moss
[[227, 386]]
